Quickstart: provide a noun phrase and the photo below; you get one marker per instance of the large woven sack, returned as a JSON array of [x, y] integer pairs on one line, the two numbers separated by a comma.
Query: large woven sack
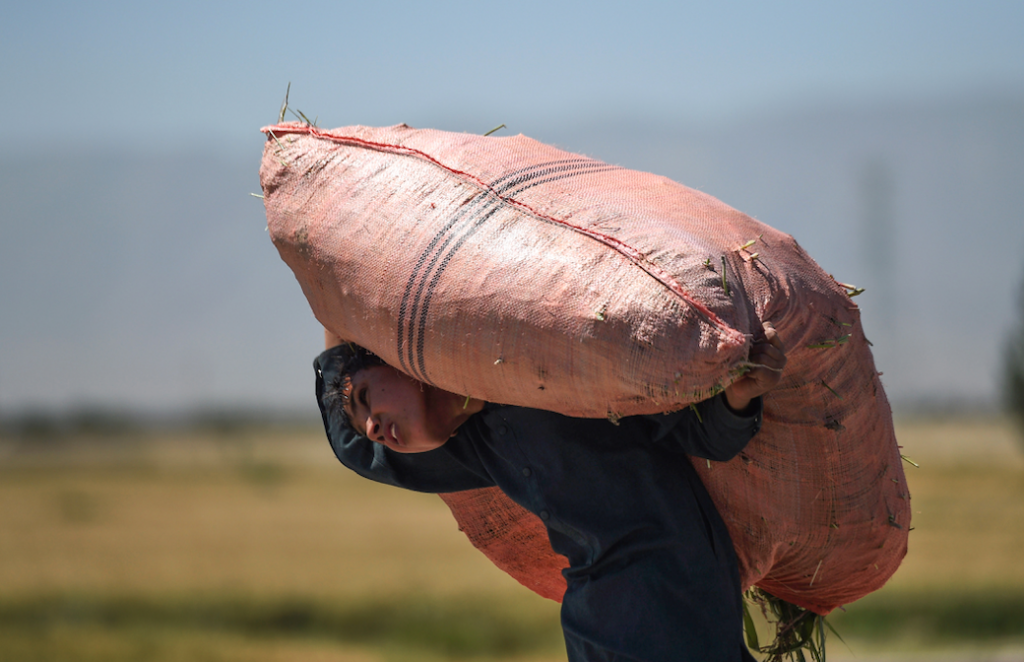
[[508, 270]]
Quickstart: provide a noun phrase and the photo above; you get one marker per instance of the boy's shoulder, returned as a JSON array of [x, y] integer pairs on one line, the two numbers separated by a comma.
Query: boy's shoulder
[[499, 420]]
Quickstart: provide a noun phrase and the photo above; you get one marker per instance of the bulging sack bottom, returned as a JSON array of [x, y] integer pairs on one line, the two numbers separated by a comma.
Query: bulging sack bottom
[[510, 271]]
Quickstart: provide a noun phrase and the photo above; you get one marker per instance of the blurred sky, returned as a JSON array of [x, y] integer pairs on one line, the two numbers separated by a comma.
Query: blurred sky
[[161, 89], [163, 73]]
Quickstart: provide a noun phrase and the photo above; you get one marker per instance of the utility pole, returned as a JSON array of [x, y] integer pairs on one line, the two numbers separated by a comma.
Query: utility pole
[[878, 223]]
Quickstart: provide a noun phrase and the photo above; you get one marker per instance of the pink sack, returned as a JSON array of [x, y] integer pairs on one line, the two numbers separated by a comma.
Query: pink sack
[[513, 272]]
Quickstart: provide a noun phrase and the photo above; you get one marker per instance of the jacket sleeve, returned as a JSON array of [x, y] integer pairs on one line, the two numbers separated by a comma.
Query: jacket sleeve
[[433, 471], [709, 429]]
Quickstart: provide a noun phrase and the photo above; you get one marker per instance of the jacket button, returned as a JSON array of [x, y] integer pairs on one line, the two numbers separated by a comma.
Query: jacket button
[[526, 471], [544, 515], [502, 429]]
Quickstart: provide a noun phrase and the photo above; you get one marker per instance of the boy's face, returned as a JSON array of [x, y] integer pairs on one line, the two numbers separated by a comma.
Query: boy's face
[[397, 411]]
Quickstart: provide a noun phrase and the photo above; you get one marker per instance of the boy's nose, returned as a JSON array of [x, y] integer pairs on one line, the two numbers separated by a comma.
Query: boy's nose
[[372, 426]]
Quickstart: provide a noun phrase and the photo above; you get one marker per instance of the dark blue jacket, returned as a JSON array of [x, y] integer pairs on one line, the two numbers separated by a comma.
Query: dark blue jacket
[[652, 572]]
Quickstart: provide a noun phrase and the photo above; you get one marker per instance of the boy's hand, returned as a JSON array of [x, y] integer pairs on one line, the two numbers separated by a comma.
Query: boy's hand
[[331, 340], [769, 355]]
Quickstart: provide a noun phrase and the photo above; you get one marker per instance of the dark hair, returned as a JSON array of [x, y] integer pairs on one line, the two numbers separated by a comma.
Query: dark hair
[[339, 367]]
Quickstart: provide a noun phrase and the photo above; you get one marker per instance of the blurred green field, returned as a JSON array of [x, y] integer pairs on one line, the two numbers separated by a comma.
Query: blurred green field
[[245, 545]]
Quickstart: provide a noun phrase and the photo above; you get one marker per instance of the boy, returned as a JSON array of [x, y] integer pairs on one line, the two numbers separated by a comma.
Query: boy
[[652, 572]]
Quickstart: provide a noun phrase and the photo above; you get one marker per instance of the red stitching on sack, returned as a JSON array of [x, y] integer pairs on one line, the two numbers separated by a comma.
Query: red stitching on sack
[[628, 251]]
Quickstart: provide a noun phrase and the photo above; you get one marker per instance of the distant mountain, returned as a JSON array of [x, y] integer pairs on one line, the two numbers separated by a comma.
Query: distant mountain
[[146, 280]]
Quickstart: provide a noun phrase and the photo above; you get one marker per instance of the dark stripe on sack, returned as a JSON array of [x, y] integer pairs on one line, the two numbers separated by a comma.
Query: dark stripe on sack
[[409, 286], [499, 183], [419, 315], [406, 353]]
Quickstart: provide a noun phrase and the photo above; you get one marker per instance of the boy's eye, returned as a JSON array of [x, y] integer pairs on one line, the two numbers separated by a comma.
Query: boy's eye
[[360, 401]]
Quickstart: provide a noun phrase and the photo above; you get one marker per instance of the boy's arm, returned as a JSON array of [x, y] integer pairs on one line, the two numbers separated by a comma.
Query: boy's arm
[[719, 428], [433, 471], [710, 429], [767, 358]]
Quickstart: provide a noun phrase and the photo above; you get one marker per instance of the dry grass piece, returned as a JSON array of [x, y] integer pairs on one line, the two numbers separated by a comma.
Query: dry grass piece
[[798, 632]]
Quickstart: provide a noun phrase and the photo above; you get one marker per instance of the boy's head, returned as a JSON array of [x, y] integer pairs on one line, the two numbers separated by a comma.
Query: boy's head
[[341, 364], [366, 396]]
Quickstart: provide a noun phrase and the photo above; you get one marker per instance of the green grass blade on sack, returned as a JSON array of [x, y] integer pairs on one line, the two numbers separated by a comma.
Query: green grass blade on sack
[[749, 629]]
